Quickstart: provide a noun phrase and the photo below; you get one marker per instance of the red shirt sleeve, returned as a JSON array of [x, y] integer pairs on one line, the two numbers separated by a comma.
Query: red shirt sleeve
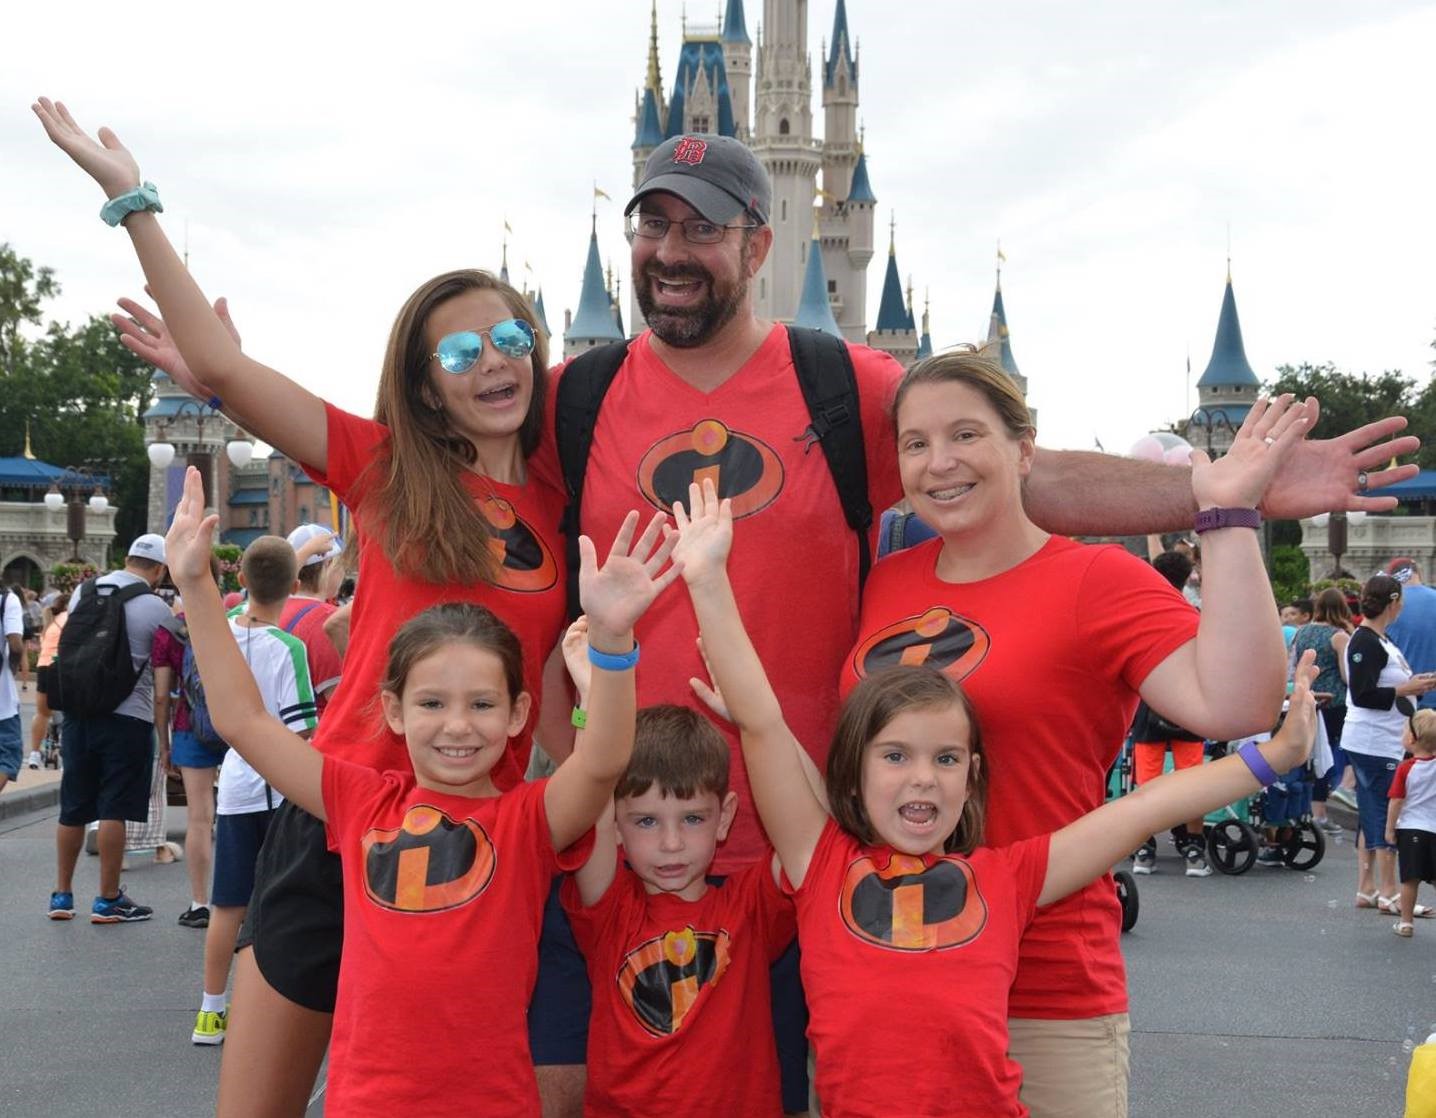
[[1398, 782], [877, 374], [353, 444], [1137, 619]]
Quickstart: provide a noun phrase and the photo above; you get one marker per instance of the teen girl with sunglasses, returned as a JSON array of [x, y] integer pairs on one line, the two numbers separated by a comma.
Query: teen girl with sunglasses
[[446, 511]]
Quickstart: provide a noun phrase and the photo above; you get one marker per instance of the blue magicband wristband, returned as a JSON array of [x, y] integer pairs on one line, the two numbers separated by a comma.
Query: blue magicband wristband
[[1260, 767], [612, 662]]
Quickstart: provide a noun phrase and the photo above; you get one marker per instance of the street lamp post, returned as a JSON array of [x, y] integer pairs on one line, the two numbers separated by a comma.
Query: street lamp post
[[1211, 419], [1336, 538], [161, 452], [75, 479]]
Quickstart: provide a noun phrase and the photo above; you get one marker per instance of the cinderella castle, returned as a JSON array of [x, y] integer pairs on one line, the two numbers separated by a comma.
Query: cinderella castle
[[823, 199]]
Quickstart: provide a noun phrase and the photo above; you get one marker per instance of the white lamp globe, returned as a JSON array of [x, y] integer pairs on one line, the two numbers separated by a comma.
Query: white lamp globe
[[160, 454], [99, 502], [54, 500], [239, 452]]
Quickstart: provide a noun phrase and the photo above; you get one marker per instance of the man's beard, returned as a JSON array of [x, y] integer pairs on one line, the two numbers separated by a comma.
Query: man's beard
[[690, 327]]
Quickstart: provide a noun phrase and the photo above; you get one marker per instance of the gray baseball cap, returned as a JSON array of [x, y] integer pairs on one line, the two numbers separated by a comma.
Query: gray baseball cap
[[717, 175]]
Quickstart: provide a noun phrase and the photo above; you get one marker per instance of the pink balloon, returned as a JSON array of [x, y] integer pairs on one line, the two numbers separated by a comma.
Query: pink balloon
[[1178, 456], [1148, 448]]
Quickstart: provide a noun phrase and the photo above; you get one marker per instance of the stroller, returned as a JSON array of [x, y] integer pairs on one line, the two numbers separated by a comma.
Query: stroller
[[50, 745], [1234, 836]]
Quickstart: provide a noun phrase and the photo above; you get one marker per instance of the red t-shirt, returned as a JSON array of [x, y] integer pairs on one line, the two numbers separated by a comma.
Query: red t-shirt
[[907, 974], [167, 651], [324, 662], [443, 902], [682, 1014], [1051, 653], [529, 599], [794, 565]]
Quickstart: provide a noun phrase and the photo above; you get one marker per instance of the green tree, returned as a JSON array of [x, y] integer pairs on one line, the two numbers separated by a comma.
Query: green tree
[[1348, 400], [77, 390]]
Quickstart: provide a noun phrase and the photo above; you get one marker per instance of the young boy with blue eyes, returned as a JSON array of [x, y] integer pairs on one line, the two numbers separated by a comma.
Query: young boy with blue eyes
[[681, 1020]]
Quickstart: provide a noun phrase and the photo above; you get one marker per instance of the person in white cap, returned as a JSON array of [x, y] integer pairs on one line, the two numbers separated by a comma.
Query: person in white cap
[[107, 758], [311, 604]]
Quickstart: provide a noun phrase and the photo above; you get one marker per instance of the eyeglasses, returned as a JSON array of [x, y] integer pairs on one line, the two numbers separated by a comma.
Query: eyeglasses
[[696, 230], [460, 352]]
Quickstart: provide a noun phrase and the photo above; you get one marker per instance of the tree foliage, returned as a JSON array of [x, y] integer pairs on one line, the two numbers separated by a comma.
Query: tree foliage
[[79, 392]]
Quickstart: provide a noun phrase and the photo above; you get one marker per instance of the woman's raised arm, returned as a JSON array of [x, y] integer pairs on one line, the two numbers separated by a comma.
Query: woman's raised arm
[[264, 401]]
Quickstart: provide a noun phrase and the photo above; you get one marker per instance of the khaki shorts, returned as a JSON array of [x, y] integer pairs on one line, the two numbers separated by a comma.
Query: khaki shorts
[[1073, 1069]]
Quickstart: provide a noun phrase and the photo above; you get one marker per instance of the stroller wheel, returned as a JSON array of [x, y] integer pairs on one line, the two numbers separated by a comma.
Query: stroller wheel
[[1305, 847], [1127, 898], [1231, 846]]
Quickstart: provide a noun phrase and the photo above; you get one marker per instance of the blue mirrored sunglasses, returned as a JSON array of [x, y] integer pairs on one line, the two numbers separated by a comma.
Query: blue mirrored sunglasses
[[458, 353]]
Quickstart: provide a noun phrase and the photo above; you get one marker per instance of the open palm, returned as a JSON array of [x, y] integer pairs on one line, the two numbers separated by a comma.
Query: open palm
[[705, 533], [108, 162], [616, 595]]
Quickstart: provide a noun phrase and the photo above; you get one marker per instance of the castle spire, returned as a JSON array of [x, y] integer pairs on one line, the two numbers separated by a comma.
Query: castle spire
[[924, 342], [814, 310], [892, 312], [594, 320], [998, 336], [734, 29], [654, 80], [1228, 366], [841, 50]]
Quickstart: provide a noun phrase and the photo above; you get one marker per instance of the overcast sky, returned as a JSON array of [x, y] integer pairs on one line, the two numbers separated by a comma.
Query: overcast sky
[[328, 159]]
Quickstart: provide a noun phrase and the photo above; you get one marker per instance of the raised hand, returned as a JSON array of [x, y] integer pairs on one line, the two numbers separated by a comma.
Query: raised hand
[[705, 533], [617, 594], [575, 657], [707, 690], [1332, 475], [144, 334], [1298, 731], [190, 540], [1271, 431], [108, 162]]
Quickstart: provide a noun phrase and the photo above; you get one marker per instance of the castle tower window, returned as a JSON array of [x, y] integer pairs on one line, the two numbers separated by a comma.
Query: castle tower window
[[783, 127]]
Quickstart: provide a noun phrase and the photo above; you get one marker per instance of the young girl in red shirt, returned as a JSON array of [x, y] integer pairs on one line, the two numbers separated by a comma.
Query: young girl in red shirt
[[909, 925], [445, 875]]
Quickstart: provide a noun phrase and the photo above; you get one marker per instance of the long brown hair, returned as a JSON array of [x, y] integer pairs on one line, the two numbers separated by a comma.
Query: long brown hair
[[875, 702], [416, 504], [1331, 609], [453, 623]]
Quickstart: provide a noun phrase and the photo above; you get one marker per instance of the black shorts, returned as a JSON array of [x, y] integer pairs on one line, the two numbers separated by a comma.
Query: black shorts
[[1416, 855], [295, 921], [105, 769], [238, 840]]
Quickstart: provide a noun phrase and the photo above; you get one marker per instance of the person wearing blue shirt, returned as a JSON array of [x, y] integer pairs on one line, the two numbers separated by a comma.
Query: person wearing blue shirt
[[1414, 631]]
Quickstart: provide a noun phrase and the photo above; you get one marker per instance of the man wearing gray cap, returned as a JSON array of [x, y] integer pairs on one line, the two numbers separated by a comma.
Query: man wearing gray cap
[[709, 390], [107, 756]]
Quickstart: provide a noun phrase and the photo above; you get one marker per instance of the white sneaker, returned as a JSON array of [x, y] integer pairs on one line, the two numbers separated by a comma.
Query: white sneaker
[[34, 761]]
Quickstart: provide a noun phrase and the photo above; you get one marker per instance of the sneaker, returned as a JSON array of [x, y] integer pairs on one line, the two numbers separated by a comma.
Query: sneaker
[[209, 1026], [62, 906], [1345, 798], [194, 918], [1331, 826], [1144, 861], [1196, 864], [1270, 857], [34, 761], [118, 910]]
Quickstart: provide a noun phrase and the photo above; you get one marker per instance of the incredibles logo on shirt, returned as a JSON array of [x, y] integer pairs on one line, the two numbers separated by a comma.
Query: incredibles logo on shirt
[[525, 562], [740, 466], [661, 980], [939, 639], [910, 903], [428, 863]]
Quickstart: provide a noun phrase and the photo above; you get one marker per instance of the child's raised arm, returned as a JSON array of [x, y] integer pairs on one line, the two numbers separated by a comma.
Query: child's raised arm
[[790, 811], [614, 597], [595, 875], [1084, 850], [283, 758], [261, 400]]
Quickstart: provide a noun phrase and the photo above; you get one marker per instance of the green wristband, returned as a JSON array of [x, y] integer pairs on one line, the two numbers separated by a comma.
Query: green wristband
[[142, 197], [579, 718]]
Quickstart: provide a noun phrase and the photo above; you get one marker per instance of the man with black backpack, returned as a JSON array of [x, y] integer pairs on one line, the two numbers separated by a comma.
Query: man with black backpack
[[104, 683]]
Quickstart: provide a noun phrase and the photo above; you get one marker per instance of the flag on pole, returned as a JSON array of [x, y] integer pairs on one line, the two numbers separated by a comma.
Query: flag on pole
[[597, 193], [1001, 256], [507, 227]]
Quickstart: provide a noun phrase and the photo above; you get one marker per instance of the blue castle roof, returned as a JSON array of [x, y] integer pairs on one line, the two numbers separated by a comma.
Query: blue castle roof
[[649, 132], [814, 310], [1229, 365], [539, 313], [892, 311], [997, 332], [31, 473], [861, 190], [705, 55], [734, 30], [594, 317], [841, 48]]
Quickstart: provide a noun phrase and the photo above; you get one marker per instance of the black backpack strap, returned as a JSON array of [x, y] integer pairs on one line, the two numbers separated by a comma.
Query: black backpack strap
[[581, 389], [830, 388]]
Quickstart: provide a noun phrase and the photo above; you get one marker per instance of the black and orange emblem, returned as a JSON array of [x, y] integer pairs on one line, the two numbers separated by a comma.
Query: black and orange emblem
[[740, 466], [912, 903], [661, 980], [428, 863], [525, 562], [939, 639]]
